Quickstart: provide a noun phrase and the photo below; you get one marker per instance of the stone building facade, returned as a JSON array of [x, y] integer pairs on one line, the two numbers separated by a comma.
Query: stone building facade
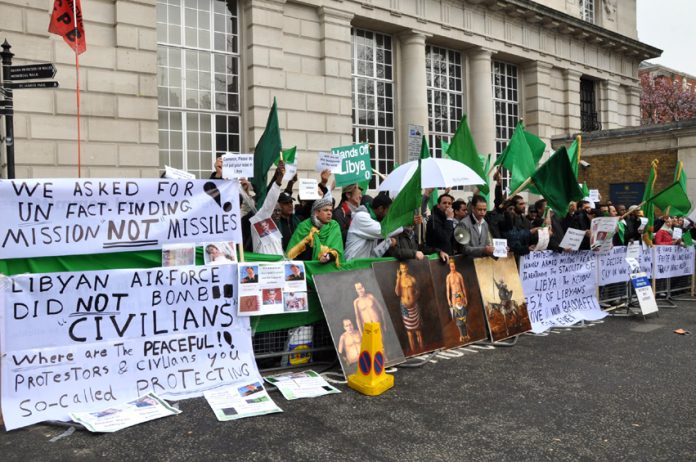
[[178, 81]]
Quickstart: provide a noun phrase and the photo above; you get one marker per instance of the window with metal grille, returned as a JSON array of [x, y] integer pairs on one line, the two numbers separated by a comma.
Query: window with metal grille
[[589, 121], [197, 82], [373, 97], [443, 68], [587, 10], [507, 107]]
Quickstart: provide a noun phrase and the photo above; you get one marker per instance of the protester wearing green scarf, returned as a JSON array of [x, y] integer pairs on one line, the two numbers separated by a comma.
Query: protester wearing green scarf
[[318, 237]]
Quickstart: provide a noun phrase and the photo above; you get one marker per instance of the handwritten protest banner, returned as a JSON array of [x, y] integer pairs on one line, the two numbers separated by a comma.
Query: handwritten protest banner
[[81, 341], [673, 261], [613, 267], [82, 216], [560, 288]]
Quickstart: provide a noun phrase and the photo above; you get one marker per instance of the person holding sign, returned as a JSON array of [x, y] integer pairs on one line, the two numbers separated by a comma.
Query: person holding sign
[[665, 235], [365, 238], [318, 237], [265, 236], [287, 220], [351, 197]]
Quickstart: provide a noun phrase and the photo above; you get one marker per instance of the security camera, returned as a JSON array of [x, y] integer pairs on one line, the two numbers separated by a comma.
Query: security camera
[[585, 164]]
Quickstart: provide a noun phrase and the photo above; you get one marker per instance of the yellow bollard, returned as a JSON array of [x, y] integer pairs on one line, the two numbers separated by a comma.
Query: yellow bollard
[[371, 379]]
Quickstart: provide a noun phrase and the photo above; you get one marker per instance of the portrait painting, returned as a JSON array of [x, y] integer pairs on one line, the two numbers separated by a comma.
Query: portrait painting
[[459, 299], [503, 299], [407, 288], [350, 299]]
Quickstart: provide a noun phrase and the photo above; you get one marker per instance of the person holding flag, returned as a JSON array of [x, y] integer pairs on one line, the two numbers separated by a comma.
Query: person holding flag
[[318, 237]]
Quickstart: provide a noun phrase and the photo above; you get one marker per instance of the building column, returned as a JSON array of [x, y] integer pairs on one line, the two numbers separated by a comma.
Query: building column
[[633, 96], [482, 120], [413, 95], [571, 100], [537, 102], [263, 63], [335, 42], [609, 105]]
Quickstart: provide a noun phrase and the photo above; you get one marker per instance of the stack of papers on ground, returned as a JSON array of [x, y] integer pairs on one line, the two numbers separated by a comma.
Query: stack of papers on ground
[[233, 402], [306, 384]]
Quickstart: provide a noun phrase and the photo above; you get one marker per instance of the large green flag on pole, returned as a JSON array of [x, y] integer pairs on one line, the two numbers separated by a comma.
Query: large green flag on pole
[[435, 195], [673, 197], [648, 207], [556, 181], [535, 145], [406, 202], [517, 158], [463, 149], [266, 152], [574, 154]]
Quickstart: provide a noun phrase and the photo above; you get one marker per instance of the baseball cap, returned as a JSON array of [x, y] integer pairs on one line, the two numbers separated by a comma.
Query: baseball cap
[[285, 198]]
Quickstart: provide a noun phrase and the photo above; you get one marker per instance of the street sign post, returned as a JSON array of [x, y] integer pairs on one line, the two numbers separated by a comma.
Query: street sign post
[[27, 85], [32, 71]]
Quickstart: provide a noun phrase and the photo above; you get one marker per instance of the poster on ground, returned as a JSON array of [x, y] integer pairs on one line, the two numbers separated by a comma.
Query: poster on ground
[[503, 297], [115, 418], [643, 289], [85, 341], [349, 300], [53, 217], [560, 289]]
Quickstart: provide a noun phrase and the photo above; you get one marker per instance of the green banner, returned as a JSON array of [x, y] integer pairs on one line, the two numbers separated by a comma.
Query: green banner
[[355, 164]]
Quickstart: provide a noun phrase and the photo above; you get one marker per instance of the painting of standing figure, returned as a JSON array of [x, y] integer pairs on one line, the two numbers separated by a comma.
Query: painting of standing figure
[[349, 300], [458, 295], [409, 294], [503, 298]]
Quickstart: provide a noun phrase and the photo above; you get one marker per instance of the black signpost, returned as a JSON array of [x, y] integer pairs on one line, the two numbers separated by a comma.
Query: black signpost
[[10, 77]]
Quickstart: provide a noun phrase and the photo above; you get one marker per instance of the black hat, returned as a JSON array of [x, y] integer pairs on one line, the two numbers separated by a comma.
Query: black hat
[[285, 198]]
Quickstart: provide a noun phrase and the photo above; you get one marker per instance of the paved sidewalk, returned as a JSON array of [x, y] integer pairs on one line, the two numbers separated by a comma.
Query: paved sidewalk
[[621, 390]]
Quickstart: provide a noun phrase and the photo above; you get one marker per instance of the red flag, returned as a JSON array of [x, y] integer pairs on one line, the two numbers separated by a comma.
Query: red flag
[[63, 24]]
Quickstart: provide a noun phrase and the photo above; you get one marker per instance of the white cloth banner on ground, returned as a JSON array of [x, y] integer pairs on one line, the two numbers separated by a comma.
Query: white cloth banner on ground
[[673, 261], [85, 216], [81, 341], [560, 288]]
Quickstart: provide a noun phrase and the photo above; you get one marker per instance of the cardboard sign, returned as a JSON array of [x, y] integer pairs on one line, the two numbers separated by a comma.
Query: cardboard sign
[[175, 173], [500, 248], [237, 166], [309, 189], [572, 239], [329, 161], [594, 195], [86, 216], [86, 340], [355, 164], [676, 233], [644, 293], [544, 237], [290, 172]]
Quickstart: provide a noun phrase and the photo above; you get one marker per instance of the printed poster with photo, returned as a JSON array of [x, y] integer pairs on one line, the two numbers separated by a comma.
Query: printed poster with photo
[[503, 297], [219, 253], [272, 288], [350, 299], [266, 227], [178, 254]]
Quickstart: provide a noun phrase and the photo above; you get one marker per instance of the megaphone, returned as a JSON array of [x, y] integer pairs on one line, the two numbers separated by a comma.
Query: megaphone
[[462, 235]]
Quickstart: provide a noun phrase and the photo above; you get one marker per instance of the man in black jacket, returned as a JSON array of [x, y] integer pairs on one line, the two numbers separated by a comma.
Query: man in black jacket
[[439, 232]]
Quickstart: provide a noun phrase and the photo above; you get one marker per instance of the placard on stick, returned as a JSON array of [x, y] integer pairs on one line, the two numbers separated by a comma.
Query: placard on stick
[[237, 165]]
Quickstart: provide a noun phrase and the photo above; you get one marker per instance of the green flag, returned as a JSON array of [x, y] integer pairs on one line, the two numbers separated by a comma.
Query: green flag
[[686, 238], [556, 182], [444, 147], [518, 158], [585, 189], [673, 197], [486, 167], [535, 145], [406, 202], [435, 195], [288, 156], [463, 149], [648, 207], [266, 152], [621, 231], [574, 155]]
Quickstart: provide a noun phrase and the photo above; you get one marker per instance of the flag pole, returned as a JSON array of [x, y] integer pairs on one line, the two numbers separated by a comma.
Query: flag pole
[[526, 183], [77, 80]]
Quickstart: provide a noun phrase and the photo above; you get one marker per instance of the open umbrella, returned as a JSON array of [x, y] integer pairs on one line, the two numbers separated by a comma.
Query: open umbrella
[[435, 173]]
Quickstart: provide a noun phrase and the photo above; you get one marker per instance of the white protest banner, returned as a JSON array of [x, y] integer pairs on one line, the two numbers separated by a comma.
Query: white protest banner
[[676, 233], [329, 161], [85, 216], [613, 267], [500, 248], [237, 165], [644, 293], [82, 341], [174, 173], [646, 260], [572, 239], [309, 189], [560, 288], [673, 261], [603, 229]]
